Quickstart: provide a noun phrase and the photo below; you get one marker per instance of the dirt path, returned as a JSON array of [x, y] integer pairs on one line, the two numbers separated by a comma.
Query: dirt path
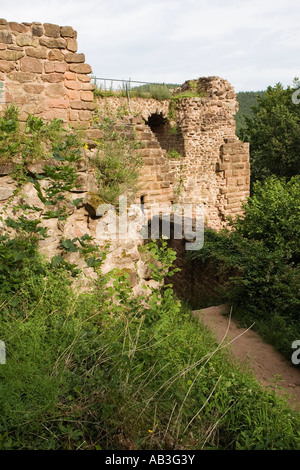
[[265, 362]]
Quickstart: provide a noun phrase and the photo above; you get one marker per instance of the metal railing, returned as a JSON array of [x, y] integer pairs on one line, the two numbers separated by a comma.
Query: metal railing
[[115, 84]]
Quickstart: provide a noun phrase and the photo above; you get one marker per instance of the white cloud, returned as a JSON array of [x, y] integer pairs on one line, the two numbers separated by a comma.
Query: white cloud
[[252, 43]]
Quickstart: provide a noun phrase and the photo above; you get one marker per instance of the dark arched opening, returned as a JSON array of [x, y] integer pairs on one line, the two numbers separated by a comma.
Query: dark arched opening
[[169, 138]]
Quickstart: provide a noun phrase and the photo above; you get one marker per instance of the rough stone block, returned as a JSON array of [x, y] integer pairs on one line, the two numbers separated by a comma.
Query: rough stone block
[[73, 84], [34, 88], [73, 94], [74, 58], [58, 103], [17, 27], [85, 115], [73, 115], [52, 30], [70, 75], [6, 37], [38, 53], [72, 45], [37, 30], [87, 95], [31, 64], [55, 90], [22, 77], [53, 77], [6, 66], [53, 43], [11, 55], [27, 40], [52, 66], [68, 32], [83, 78], [56, 54], [6, 168], [80, 68]]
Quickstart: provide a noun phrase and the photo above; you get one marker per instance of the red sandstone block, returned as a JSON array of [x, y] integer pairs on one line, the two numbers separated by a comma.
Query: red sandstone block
[[56, 54], [73, 94], [72, 58], [51, 30], [33, 88], [80, 68], [70, 76], [17, 27], [68, 32], [72, 44], [73, 84], [87, 96], [74, 115], [53, 77], [85, 115], [56, 113], [58, 103], [83, 78], [31, 64]]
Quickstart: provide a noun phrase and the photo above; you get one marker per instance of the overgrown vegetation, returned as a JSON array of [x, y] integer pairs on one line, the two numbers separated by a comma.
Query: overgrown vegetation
[[84, 372], [158, 91], [273, 131], [38, 141], [117, 161], [259, 261]]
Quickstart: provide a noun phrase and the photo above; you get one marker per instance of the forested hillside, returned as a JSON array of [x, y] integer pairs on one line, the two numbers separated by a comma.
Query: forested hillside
[[246, 99]]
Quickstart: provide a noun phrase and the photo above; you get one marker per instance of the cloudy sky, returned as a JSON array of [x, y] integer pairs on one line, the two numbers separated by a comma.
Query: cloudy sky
[[251, 43]]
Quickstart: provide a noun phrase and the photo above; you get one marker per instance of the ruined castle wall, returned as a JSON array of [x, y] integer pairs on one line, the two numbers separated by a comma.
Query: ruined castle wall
[[42, 72], [214, 169]]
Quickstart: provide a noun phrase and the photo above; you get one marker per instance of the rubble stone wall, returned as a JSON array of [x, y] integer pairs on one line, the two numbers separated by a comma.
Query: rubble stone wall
[[43, 73]]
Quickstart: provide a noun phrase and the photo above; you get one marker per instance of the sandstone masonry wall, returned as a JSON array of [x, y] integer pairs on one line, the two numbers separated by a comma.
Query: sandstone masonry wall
[[42, 72]]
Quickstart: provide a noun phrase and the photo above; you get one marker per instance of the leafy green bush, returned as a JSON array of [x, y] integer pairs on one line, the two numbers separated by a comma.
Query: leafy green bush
[[274, 134], [117, 162], [259, 261], [39, 140]]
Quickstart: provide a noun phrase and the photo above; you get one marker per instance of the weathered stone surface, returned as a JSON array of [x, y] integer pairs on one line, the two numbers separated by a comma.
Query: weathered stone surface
[[31, 64], [6, 37], [53, 77], [38, 53], [11, 55], [34, 88], [52, 66], [7, 188], [68, 32], [37, 30], [3, 21], [26, 40], [73, 84], [70, 76], [17, 27], [58, 103], [6, 66], [55, 90], [51, 30], [53, 43], [83, 78], [72, 45], [6, 168], [74, 58], [86, 95], [80, 68], [56, 54], [22, 77]]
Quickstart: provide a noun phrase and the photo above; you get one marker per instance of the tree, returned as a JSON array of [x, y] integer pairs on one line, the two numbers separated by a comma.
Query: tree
[[274, 133]]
